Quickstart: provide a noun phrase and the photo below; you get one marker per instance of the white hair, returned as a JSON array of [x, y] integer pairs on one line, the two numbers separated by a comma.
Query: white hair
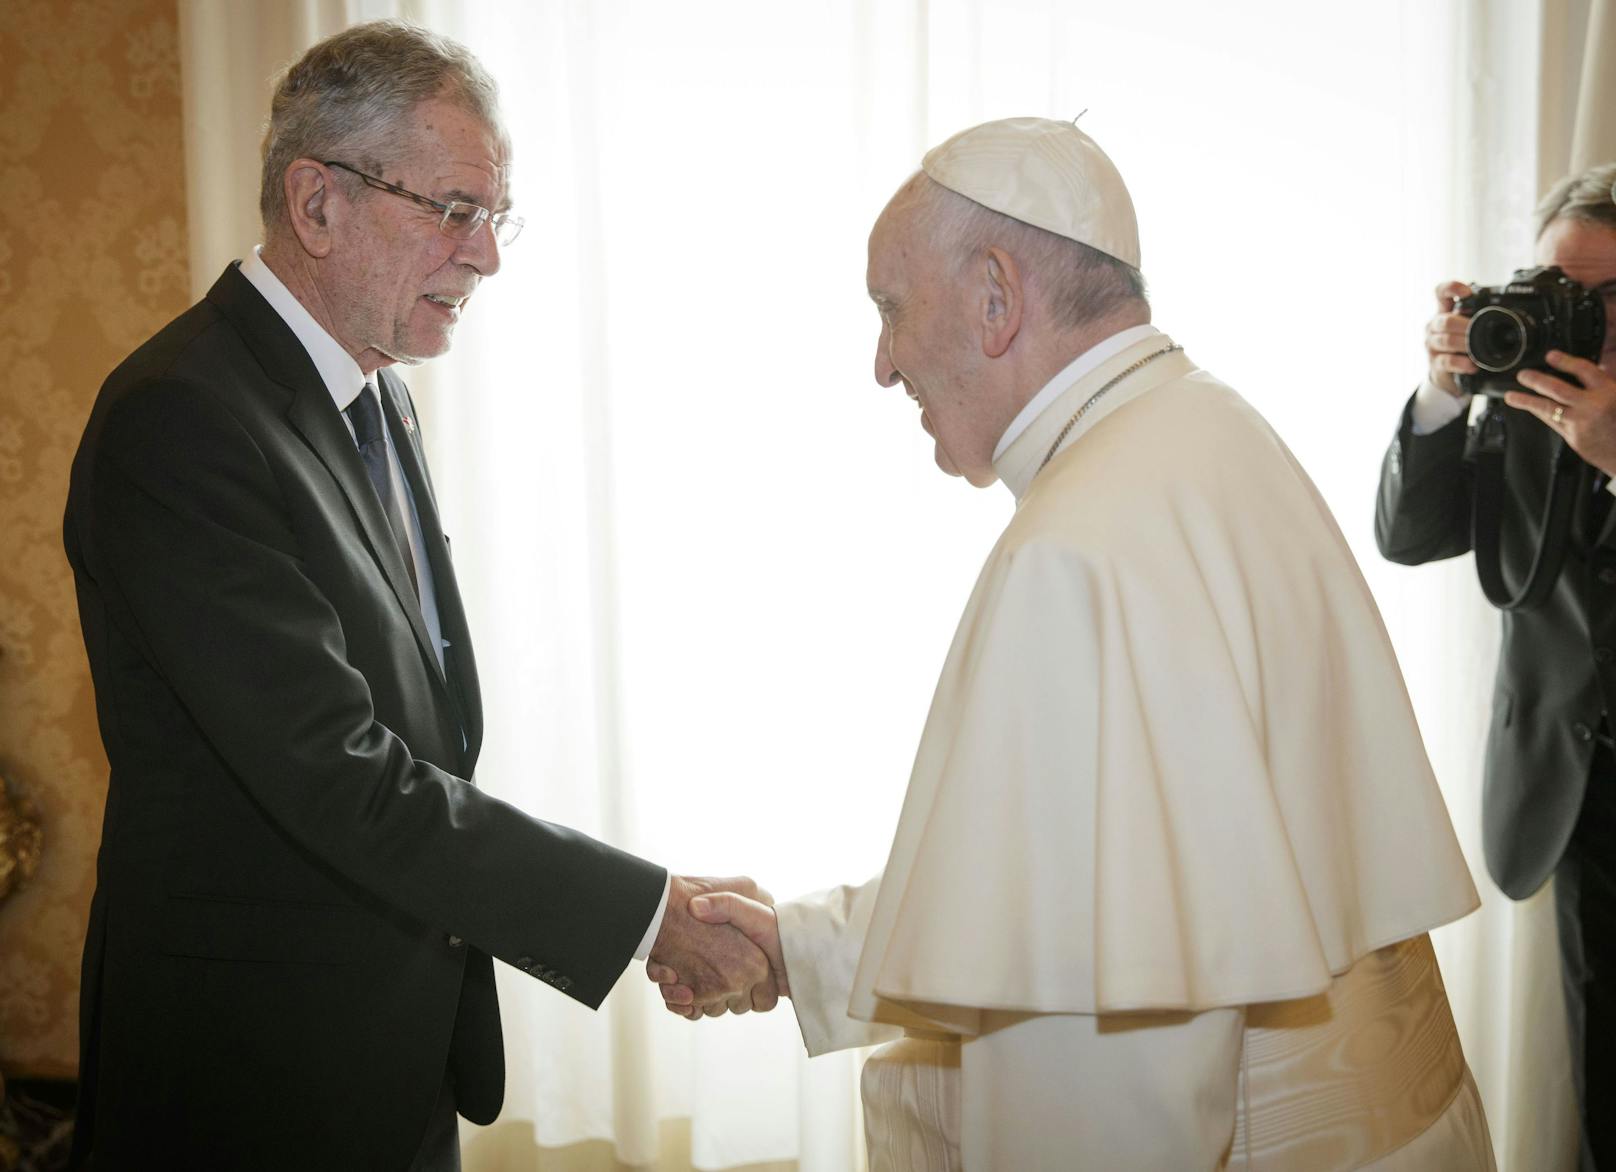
[[347, 95], [1586, 196]]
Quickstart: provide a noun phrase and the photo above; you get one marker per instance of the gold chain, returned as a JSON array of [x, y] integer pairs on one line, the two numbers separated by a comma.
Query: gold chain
[[1095, 398]]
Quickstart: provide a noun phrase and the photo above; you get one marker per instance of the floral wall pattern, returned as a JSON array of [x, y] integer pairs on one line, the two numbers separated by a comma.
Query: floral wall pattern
[[92, 261]]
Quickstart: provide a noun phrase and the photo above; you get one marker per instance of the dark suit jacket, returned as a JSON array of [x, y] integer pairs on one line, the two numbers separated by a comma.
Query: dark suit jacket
[[1556, 666], [299, 889]]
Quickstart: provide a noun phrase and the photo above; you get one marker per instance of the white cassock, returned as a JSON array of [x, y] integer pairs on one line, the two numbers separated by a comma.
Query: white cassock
[[1159, 895]]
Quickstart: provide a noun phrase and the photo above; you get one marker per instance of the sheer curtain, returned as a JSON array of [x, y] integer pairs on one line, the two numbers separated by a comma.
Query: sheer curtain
[[711, 567]]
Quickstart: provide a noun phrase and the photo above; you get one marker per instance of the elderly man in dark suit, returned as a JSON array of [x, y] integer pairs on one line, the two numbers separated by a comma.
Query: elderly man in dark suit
[[300, 889]]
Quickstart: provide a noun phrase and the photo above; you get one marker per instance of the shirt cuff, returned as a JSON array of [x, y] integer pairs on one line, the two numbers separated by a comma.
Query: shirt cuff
[[644, 950], [1434, 408]]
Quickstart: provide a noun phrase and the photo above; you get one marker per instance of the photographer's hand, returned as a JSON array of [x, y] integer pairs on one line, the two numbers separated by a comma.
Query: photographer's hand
[[1445, 339], [1581, 406]]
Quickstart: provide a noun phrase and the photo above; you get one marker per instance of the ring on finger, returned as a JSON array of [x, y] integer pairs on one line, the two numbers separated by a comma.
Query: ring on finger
[[1559, 414]]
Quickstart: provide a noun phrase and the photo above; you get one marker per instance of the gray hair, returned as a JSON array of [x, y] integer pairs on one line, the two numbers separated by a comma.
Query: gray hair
[[1081, 284], [1580, 197], [347, 94]]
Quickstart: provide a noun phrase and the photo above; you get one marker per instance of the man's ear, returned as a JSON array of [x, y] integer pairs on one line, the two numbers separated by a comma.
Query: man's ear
[[1002, 302], [309, 196]]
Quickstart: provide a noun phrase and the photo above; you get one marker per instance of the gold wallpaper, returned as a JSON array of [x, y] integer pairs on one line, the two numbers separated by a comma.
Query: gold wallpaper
[[92, 262]]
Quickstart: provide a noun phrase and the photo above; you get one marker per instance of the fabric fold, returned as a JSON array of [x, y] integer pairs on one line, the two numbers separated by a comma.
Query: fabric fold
[[1171, 763]]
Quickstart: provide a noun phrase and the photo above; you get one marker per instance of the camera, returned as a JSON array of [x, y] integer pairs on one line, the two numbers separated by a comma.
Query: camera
[[1513, 326]]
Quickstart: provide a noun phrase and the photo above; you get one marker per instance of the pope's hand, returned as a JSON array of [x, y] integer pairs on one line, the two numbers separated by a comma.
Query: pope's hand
[[1580, 405], [717, 965], [754, 918]]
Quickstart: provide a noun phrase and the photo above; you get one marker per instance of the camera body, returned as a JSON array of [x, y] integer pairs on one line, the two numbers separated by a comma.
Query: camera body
[[1513, 326]]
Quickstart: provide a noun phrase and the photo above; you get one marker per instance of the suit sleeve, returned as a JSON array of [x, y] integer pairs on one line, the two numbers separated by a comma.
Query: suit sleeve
[[200, 565], [822, 936], [1422, 511]]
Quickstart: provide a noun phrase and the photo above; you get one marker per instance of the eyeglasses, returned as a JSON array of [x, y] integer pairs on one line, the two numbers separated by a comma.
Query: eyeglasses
[[461, 220]]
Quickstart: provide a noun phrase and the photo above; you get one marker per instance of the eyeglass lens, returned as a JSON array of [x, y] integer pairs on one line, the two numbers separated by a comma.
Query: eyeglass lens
[[465, 220]]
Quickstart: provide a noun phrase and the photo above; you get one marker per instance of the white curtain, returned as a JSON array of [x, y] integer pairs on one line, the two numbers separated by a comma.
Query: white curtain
[[710, 565]]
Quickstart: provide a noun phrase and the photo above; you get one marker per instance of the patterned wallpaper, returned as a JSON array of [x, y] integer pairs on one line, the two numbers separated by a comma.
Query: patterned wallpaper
[[92, 261]]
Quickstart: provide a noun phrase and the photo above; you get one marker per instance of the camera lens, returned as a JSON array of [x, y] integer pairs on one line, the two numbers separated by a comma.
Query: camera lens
[[1498, 338]]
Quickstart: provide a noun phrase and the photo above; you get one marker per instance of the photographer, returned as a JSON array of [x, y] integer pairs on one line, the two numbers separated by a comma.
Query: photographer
[[1549, 796]]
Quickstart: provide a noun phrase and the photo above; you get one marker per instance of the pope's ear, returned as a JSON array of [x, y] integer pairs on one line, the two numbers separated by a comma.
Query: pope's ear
[[309, 196], [1002, 302]]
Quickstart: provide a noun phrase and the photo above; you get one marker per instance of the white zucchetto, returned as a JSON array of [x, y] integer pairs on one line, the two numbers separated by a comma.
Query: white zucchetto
[[1045, 173]]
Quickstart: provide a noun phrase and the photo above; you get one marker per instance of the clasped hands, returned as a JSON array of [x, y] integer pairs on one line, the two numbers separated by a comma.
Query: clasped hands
[[718, 950]]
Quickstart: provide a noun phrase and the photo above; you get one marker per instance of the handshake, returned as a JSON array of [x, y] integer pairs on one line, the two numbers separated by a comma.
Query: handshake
[[718, 949]]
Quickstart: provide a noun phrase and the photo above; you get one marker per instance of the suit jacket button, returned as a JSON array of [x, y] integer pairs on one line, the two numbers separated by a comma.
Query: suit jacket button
[[453, 941], [1603, 655], [525, 963], [563, 983], [1582, 732]]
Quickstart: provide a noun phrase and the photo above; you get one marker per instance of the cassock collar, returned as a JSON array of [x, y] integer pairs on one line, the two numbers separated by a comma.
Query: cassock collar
[[338, 370], [1069, 374], [1019, 463]]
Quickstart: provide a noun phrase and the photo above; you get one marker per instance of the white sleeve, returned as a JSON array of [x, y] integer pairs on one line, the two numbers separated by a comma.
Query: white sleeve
[[1114, 1091], [655, 926], [1434, 408], [821, 937]]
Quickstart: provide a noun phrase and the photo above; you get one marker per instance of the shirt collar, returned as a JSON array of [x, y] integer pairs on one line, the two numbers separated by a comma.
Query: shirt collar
[[1069, 374], [338, 370]]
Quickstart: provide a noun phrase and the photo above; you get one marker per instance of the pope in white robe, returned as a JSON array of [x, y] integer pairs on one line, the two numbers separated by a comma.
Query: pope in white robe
[[1159, 894]]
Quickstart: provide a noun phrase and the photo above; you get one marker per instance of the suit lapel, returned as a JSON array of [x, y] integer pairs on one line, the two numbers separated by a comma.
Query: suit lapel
[[1606, 509], [315, 417], [458, 657]]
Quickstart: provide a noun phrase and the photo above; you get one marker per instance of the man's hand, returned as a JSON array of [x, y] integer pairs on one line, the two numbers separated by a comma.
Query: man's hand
[[1580, 406], [756, 919], [1445, 346], [717, 966]]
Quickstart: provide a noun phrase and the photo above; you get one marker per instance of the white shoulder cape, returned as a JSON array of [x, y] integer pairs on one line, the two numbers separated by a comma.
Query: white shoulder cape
[[1171, 762]]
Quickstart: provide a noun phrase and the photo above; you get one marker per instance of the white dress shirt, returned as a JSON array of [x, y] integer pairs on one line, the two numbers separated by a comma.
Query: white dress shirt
[[1434, 408]]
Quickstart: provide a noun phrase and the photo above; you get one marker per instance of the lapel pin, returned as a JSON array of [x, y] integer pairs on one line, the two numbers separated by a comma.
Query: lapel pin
[[409, 424]]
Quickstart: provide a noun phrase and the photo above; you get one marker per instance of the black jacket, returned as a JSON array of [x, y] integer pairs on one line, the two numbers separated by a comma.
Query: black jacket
[[1556, 665], [299, 889]]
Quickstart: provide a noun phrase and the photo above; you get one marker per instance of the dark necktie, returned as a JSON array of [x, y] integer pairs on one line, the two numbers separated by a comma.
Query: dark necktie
[[365, 413]]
